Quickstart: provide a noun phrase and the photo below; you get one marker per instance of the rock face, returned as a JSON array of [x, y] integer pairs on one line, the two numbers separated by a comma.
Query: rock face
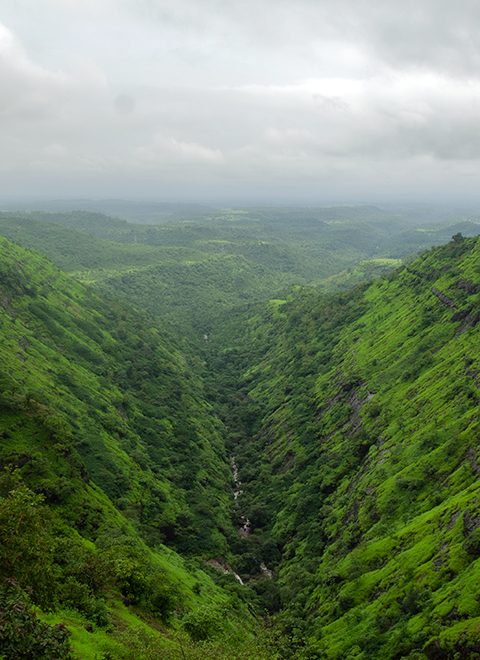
[[266, 571], [245, 528], [224, 568], [443, 298]]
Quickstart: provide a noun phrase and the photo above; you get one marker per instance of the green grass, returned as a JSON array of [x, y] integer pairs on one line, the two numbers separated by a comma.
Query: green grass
[[367, 471]]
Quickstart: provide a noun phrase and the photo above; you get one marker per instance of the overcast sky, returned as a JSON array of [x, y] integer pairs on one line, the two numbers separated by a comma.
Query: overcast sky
[[255, 100]]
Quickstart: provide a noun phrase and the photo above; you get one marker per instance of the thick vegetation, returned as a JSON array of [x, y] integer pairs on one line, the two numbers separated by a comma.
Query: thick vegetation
[[361, 465], [350, 409], [190, 271], [109, 450]]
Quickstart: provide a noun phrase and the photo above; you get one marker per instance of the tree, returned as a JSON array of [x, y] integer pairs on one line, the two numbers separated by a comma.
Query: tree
[[27, 543]]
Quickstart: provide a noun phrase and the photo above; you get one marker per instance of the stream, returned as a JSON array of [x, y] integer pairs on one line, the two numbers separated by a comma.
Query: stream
[[245, 528], [245, 524]]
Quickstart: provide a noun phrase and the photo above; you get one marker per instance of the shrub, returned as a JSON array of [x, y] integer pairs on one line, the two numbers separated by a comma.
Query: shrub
[[26, 543], [203, 624], [22, 634], [78, 596], [162, 598]]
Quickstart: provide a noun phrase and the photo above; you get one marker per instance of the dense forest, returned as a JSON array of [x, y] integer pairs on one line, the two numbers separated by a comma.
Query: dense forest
[[248, 433]]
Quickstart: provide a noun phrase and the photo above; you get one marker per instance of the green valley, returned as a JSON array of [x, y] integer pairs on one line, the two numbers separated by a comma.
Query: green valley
[[250, 433]]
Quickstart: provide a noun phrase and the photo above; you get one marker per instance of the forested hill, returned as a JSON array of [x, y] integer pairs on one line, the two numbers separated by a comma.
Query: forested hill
[[109, 450], [191, 271], [352, 529], [129, 404], [360, 462]]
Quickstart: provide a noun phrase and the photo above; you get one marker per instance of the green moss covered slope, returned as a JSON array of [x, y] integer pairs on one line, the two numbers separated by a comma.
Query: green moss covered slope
[[366, 416]]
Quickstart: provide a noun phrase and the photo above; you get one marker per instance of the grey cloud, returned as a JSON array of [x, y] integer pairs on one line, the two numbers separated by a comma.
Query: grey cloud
[[210, 98]]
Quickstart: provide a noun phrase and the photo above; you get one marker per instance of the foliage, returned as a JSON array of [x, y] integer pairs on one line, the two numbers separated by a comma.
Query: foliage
[[110, 449], [26, 542], [22, 634], [351, 410], [190, 271], [365, 451]]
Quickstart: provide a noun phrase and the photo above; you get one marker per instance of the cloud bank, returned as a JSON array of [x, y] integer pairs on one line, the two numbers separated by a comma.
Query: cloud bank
[[272, 101]]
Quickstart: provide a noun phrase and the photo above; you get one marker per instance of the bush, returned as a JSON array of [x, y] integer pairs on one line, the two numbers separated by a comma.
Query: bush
[[140, 582], [26, 543], [162, 598], [203, 624], [22, 635], [78, 596]]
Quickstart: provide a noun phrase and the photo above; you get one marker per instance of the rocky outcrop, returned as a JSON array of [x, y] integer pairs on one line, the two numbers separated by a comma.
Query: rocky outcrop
[[448, 302]]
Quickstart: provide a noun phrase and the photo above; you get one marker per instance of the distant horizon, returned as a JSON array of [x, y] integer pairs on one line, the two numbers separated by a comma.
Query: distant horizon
[[241, 203]]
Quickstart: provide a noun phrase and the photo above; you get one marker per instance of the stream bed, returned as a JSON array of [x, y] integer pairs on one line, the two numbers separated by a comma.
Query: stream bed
[[245, 528]]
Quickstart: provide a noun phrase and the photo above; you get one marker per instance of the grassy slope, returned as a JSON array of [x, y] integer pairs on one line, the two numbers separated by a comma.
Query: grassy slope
[[369, 480], [104, 418]]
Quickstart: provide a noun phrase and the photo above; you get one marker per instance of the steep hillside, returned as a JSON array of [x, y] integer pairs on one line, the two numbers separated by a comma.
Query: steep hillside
[[109, 450], [351, 421], [357, 439], [125, 397]]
